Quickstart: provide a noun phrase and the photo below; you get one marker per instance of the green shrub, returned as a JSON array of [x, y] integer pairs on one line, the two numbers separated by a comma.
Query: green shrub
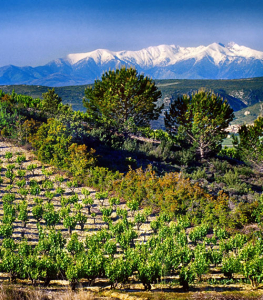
[[230, 152], [246, 171], [185, 156], [233, 182], [222, 166], [198, 174], [130, 145]]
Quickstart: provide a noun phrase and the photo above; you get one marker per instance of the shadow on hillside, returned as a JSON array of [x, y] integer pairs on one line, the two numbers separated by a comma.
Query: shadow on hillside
[[117, 158]]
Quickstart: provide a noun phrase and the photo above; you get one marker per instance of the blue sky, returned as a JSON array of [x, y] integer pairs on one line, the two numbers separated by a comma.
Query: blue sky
[[36, 32]]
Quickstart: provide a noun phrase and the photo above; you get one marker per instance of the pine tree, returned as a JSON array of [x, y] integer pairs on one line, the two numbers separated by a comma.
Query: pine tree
[[199, 121], [122, 99], [250, 143]]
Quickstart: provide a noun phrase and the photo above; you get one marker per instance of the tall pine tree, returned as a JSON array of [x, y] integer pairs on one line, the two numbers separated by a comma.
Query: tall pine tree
[[123, 98], [200, 121]]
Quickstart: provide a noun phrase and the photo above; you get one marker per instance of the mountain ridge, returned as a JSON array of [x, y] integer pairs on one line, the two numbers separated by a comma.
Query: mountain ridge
[[174, 54], [215, 61]]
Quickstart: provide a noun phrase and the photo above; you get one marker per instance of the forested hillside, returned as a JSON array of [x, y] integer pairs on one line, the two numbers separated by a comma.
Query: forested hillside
[[240, 93]]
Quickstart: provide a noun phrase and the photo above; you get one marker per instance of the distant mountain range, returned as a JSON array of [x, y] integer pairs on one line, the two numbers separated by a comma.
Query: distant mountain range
[[215, 61]]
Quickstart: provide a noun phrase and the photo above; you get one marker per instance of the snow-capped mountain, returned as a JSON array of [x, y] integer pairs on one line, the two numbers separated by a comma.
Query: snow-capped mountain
[[215, 61]]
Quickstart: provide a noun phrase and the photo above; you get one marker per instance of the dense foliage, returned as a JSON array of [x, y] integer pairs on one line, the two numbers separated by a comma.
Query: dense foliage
[[199, 120], [123, 98], [250, 143]]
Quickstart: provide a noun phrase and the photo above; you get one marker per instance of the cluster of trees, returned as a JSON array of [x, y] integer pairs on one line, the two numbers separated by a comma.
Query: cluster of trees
[[125, 102], [196, 123], [56, 132], [124, 98]]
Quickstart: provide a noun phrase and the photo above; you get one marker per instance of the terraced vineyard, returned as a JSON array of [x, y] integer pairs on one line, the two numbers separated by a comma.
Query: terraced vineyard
[[54, 232]]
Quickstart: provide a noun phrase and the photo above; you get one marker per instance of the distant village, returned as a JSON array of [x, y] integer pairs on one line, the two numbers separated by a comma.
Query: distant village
[[233, 128]]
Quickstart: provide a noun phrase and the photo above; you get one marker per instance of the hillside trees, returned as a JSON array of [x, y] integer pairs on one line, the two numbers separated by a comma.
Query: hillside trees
[[199, 120], [51, 102], [53, 142], [122, 99], [250, 143]]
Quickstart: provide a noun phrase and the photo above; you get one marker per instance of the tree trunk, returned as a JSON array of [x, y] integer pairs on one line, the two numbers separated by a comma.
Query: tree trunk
[[185, 285], [147, 286], [73, 284], [201, 149], [46, 281]]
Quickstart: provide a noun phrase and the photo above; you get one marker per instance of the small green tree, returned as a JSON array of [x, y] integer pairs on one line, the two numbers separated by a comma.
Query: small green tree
[[6, 230], [199, 120], [106, 215], [52, 141], [186, 276], [51, 101], [230, 265], [102, 196], [75, 246], [88, 202], [48, 269], [50, 216], [9, 215], [81, 218], [37, 212], [250, 143], [12, 264], [118, 270], [123, 98], [8, 156], [32, 168], [30, 268], [133, 205], [20, 159], [70, 223], [139, 219], [201, 262], [149, 270], [74, 273], [23, 193], [10, 173], [93, 265], [23, 213]]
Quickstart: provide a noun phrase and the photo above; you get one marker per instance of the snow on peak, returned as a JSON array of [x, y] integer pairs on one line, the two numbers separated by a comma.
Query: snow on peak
[[244, 51], [99, 56], [74, 58], [164, 55]]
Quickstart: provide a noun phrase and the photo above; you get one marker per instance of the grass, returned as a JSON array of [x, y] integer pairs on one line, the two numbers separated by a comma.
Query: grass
[[201, 293], [16, 292]]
